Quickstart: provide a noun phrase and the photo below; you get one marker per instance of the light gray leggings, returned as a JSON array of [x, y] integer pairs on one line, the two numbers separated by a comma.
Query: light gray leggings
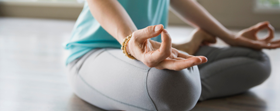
[[111, 81]]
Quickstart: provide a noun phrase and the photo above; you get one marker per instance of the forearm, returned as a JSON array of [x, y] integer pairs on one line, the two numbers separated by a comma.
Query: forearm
[[192, 12], [112, 17]]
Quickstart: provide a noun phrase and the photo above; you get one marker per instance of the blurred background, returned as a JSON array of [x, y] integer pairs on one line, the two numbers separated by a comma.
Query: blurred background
[[231, 13], [33, 75]]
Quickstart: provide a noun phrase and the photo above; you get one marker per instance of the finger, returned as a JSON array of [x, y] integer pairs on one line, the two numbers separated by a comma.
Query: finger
[[173, 64], [256, 28], [268, 45], [165, 47], [261, 25], [148, 32], [265, 45], [275, 46], [179, 58], [164, 50], [202, 58], [270, 33], [254, 44], [275, 42], [174, 53]]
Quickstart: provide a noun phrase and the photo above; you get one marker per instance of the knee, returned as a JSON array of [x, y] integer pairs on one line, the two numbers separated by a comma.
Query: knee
[[261, 68], [257, 68], [174, 90]]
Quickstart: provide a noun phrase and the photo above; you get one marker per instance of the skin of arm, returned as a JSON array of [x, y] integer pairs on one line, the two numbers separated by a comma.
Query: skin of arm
[[116, 21], [192, 12]]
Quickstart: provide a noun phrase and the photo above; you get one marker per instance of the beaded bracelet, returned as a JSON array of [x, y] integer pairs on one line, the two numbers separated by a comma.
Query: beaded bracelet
[[124, 47]]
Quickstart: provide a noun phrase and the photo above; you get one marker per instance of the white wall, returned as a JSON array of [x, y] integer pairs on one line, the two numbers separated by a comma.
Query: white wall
[[234, 13], [231, 13]]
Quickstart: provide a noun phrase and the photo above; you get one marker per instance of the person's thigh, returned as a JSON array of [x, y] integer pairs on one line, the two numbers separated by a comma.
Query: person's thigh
[[231, 70], [109, 80]]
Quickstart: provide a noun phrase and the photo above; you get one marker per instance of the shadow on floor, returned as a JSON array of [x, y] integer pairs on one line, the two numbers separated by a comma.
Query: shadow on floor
[[247, 101]]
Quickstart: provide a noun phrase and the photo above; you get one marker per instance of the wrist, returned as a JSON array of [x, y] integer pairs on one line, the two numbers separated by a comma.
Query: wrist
[[121, 35], [125, 47], [229, 38], [122, 41]]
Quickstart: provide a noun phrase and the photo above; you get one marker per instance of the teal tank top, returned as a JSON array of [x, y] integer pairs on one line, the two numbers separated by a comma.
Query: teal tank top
[[88, 34]]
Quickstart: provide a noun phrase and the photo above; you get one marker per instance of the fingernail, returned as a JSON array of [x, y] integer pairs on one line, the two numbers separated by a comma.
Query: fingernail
[[165, 31], [206, 59], [200, 60], [158, 27]]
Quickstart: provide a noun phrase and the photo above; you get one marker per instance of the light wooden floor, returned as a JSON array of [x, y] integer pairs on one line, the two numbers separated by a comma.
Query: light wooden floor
[[33, 75]]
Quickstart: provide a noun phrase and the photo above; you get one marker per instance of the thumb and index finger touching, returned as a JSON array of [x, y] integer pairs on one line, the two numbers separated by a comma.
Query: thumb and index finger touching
[[265, 42], [148, 32], [269, 27], [271, 44], [164, 51], [155, 58]]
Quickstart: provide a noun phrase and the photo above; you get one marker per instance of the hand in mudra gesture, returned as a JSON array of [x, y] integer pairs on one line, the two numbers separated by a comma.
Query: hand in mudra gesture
[[248, 37], [159, 55]]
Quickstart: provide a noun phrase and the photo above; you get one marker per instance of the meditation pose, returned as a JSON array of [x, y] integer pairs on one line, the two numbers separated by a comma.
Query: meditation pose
[[122, 58]]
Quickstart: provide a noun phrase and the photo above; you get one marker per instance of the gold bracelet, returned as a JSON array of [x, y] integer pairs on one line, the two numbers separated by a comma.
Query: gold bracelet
[[124, 47]]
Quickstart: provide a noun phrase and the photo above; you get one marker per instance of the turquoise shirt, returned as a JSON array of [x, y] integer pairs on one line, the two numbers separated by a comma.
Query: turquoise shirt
[[88, 33]]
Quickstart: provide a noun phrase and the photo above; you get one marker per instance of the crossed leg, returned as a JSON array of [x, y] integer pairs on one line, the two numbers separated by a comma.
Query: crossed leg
[[111, 81], [231, 70]]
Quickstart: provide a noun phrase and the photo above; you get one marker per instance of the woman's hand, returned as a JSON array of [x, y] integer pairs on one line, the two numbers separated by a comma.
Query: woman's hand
[[159, 55], [248, 38]]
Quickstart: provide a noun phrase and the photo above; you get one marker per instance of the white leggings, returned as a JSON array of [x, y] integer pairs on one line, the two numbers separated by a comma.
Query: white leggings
[[111, 81]]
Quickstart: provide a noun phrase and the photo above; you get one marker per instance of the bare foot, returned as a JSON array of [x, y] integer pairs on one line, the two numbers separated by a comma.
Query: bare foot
[[199, 37]]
